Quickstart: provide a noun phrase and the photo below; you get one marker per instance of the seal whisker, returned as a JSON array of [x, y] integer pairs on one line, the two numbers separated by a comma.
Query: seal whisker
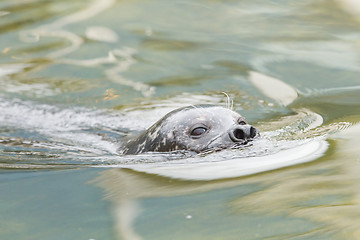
[[206, 152], [212, 140], [227, 100], [194, 106]]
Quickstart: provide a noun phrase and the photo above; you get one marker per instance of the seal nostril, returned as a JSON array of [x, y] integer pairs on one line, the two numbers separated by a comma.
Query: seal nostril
[[253, 132], [239, 134]]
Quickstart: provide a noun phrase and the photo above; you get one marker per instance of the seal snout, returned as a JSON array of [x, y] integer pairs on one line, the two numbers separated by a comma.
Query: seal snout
[[243, 133]]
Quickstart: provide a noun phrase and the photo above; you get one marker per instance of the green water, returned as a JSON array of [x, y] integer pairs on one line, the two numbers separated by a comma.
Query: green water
[[76, 76]]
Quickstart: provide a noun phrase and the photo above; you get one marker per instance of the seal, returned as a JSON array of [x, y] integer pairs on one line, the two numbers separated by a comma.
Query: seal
[[197, 128]]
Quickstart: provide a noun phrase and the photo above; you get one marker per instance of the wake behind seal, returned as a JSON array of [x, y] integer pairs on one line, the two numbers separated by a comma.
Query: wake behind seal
[[197, 128]]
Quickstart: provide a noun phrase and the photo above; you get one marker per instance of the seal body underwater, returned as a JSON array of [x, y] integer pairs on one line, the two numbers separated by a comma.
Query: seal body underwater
[[196, 128]]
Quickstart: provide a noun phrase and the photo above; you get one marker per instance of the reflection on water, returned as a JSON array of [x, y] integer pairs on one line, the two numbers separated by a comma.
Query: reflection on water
[[78, 76]]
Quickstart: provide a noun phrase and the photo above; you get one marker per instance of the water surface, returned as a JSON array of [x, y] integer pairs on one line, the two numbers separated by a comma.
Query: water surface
[[78, 76]]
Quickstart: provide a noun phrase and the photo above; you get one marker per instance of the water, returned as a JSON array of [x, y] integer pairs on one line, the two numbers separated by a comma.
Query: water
[[77, 76]]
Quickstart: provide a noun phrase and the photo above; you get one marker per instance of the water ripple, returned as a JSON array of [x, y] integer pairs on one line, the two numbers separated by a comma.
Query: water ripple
[[40, 136]]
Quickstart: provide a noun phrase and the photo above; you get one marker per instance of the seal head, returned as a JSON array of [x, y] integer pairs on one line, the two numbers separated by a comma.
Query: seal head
[[195, 128]]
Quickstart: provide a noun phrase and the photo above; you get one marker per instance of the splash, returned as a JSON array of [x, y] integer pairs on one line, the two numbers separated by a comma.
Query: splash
[[40, 136]]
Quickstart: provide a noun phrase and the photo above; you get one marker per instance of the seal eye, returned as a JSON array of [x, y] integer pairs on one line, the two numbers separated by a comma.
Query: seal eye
[[197, 132], [242, 122]]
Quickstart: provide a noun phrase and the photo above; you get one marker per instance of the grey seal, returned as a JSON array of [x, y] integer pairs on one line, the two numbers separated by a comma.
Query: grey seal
[[197, 128]]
